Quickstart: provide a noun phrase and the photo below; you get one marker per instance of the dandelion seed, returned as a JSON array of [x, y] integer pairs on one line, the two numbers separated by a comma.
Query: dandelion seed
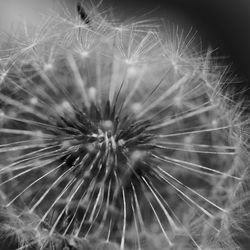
[[113, 134]]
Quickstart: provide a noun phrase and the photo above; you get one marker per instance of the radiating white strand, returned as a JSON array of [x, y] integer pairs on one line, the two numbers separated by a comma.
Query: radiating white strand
[[182, 164], [178, 119], [34, 182], [124, 220], [190, 189]]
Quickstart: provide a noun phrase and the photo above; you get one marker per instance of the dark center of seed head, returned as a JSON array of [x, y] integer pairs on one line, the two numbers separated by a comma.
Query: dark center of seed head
[[107, 126]]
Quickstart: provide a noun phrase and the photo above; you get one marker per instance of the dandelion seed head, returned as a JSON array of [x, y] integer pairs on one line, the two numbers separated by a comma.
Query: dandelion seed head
[[114, 133]]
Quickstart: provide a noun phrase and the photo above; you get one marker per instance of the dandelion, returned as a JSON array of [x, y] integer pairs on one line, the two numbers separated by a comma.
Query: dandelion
[[111, 134]]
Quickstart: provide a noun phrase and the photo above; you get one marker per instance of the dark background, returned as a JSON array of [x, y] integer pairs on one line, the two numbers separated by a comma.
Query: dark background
[[225, 24]]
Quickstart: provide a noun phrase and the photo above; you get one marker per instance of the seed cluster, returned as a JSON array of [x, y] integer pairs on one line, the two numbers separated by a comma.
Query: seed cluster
[[113, 133]]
